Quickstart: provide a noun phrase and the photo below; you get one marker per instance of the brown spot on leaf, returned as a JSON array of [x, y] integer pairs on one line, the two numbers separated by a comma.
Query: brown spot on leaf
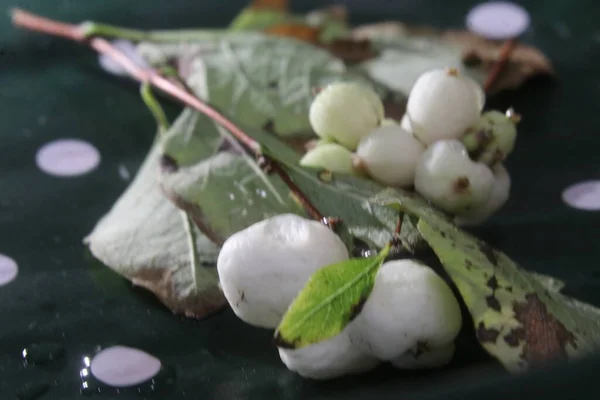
[[468, 265], [514, 337], [509, 289], [544, 336], [489, 253], [492, 283], [352, 51], [487, 335], [493, 303]]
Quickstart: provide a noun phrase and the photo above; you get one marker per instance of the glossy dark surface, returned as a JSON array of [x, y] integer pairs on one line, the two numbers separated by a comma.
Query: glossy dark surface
[[51, 89]]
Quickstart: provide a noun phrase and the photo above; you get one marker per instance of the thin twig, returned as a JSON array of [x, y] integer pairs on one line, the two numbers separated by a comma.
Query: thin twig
[[505, 52], [36, 23]]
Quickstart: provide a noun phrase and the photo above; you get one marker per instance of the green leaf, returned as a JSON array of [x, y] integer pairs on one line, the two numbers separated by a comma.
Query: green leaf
[[260, 81], [144, 238], [520, 317], [226, 191], [329, 301]]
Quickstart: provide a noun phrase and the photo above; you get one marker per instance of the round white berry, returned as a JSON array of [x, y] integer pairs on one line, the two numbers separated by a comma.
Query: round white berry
[[442, 104], [389, 155], [446, 176], [263, 267], [330, 156], [331, 358], [345, 112], [499, 196], [409, 305]]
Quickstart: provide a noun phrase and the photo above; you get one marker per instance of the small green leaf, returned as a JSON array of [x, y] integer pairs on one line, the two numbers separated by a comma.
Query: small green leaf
[[330, 300], [521, 318]]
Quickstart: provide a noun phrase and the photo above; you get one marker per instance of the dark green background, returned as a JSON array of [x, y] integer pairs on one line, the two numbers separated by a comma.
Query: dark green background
[[62, 295]]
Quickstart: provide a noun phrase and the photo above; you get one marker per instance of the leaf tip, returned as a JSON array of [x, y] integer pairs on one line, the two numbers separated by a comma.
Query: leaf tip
[[282, 343]]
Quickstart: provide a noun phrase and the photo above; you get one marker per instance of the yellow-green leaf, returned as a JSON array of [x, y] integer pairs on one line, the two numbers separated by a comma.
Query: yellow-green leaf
[[521, 318], [331, 299]]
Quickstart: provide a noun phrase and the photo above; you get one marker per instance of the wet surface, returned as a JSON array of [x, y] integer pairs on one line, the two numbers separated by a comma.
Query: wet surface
[[52, 90]]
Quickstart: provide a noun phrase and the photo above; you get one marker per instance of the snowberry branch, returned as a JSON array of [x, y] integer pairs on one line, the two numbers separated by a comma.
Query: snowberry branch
[[152, 77]]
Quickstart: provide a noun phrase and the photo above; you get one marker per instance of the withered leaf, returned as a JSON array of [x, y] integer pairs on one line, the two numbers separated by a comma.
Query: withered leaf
[[426, 48]]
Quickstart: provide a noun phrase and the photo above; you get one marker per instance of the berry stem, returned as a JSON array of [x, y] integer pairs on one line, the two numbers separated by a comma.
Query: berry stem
[[151, 77], [505, 52]]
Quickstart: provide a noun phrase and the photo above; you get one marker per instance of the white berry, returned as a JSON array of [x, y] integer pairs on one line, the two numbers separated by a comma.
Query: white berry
[[493, 137], [418, 358], [409, 305], [389, 155], [263, 267], [442, 104], [330, 156], [446, 176], [346, 112], [499, 196], [331, 358]]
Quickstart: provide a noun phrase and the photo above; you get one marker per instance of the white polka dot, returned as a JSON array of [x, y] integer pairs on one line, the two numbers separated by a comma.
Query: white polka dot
[[583, 195], [67, 157], [120, 366], [127, 47], [8, 270], [498, 20]]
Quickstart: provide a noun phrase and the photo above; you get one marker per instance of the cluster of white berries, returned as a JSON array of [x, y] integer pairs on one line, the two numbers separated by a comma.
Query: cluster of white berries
[[444, 146], [410, 319]]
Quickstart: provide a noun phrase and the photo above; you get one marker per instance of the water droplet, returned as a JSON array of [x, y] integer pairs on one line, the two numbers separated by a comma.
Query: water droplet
[[124, 172], [261, 193], [121, 370], [32, 390], [43, 354], [67, 157], [583, 195], [231, 196], [8, 270]]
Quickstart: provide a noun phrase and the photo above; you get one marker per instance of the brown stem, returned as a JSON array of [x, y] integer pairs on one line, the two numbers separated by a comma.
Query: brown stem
[[505, 52], [36, 23], [399, 224]]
